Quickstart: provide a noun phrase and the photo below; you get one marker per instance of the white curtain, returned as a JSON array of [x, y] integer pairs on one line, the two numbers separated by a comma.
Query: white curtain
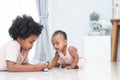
[[42, 50]]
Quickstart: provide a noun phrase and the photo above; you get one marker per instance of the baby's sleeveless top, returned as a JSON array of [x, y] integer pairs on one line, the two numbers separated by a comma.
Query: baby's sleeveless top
[[67, 59]]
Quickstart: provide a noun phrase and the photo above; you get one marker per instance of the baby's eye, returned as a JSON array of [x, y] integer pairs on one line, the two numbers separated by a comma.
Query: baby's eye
[[57, 43]]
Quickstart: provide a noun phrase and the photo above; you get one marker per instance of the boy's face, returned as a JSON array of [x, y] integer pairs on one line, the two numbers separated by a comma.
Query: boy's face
[[59, 42], [27, 44]]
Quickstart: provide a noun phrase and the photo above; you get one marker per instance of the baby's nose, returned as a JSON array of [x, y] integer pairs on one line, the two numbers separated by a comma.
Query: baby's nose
[[55, 46]]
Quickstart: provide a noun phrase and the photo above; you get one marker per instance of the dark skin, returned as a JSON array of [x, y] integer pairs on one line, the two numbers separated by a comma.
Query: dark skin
[[74, 65], [26, 44], [60, 45]]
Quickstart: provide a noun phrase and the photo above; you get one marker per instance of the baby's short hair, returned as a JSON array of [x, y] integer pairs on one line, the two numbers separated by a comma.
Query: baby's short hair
[[60, 32]]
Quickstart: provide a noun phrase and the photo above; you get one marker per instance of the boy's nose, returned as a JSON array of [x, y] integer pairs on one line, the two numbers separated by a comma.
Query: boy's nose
[[31, 46]]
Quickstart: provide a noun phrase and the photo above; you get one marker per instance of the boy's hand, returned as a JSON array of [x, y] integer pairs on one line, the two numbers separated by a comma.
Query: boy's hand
[[41, 66]]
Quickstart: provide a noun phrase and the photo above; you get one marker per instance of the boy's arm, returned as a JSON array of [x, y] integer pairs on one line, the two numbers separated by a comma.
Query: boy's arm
[[13, 67]]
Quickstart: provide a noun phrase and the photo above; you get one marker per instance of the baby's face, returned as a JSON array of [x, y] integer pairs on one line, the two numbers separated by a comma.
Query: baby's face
[[27, 44], [59, 42]]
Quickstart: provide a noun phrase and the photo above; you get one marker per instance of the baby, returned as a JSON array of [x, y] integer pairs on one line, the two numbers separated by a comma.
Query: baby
[[66, 56]]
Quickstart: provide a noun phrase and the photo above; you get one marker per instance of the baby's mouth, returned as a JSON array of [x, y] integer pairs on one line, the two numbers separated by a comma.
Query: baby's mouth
[[56, 49]]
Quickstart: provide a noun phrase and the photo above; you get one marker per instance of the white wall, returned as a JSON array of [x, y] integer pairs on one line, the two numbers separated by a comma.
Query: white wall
[[9, 9], [72, 16]]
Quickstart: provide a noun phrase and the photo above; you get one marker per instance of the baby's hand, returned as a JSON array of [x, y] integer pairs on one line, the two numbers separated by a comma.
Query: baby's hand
[[68, 67], [49, 66]]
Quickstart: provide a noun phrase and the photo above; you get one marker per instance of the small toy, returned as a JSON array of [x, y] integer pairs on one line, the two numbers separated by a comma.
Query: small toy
[[45, 70]]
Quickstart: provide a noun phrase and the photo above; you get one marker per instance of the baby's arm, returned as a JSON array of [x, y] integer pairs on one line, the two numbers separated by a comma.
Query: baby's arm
[[54, 63], [73, 52], [13, 67]]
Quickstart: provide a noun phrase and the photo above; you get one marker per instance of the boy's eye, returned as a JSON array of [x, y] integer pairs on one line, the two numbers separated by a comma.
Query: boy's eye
[[31, 42]]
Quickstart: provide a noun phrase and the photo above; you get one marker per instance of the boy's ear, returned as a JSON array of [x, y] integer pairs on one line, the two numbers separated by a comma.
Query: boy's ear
[[66, 42]]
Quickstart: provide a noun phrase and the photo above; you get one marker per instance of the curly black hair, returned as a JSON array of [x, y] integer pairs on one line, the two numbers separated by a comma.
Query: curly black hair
[[23, 27], [60, 32]]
